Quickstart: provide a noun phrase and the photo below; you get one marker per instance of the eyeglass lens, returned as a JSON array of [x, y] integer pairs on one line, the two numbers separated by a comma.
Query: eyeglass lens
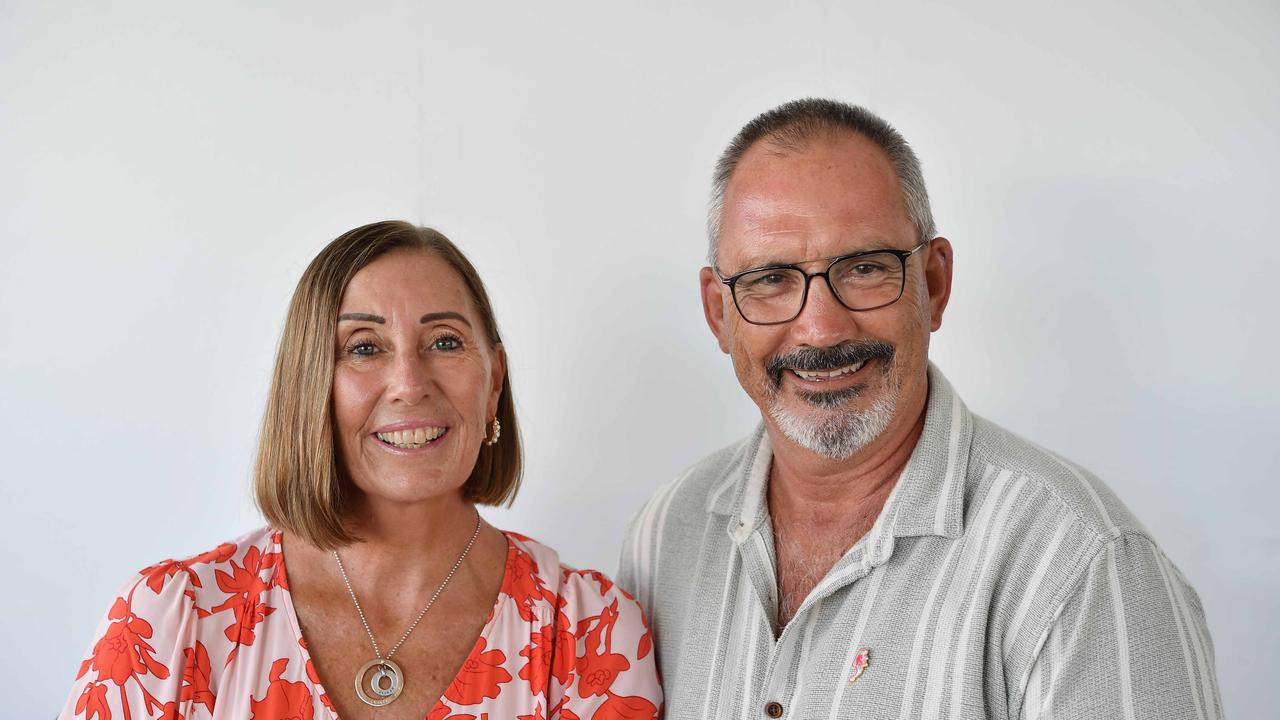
[[775, 295]]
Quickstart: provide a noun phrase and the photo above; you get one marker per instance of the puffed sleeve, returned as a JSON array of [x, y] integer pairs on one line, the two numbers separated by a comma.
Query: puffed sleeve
[[145, 660], [1130, 641], [614, 673]]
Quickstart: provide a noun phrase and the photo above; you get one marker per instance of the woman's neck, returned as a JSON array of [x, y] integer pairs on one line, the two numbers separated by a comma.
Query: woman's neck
[[408, 544]]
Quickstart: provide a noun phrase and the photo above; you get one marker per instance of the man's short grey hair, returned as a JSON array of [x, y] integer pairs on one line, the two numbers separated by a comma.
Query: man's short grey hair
[[791, 127]]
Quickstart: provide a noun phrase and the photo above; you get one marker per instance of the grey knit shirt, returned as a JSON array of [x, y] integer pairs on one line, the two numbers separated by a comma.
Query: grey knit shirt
[[999, 581]]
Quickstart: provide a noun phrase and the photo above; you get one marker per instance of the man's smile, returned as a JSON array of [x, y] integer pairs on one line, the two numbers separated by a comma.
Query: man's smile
[[831, 368], [824, 376]]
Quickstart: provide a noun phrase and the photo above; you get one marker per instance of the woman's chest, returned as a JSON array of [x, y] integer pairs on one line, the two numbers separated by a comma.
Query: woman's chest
[[420, 667]]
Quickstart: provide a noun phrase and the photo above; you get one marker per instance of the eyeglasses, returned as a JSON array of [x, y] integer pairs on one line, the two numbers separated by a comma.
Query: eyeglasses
[[776, 294]]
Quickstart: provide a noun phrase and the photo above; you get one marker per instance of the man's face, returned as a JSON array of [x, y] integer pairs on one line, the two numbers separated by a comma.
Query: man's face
[[831, 380]]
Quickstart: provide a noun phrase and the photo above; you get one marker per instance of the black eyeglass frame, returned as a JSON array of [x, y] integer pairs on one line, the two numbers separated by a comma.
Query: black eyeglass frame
[[902, 256]]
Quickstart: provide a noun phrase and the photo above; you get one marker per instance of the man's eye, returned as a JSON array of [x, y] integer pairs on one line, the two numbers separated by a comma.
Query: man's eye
[[765, 280], [447, 342]]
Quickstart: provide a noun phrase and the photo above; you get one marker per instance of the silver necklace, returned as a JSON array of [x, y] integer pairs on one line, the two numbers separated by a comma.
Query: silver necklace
[[387, 679]]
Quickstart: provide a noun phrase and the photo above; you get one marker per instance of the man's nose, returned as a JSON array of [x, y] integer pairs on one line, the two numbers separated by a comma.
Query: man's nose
[[824, 321]]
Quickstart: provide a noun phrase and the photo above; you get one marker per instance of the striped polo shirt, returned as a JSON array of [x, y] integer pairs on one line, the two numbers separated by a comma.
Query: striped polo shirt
[[999, 581]]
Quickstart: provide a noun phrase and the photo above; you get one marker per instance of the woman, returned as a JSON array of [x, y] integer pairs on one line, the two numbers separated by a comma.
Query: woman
[[377, 590]]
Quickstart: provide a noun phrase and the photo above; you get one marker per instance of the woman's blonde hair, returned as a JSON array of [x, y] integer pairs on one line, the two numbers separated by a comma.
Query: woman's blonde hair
[[299, 485]]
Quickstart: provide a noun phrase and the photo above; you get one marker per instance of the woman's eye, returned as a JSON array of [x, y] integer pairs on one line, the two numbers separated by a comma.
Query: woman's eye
[[362, 348], [447, 342]]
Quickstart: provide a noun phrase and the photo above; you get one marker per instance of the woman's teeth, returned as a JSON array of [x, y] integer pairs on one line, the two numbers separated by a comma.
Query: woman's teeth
[[829, 374], [414, 438]]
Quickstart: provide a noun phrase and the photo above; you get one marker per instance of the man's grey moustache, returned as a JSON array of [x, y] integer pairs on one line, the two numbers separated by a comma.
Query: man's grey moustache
[[820, 359]]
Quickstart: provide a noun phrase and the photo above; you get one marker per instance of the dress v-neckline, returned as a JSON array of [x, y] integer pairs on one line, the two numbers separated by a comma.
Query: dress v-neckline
[[494, 615]]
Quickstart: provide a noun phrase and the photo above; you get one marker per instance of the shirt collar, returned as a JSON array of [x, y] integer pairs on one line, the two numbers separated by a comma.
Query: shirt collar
[[927, 500]]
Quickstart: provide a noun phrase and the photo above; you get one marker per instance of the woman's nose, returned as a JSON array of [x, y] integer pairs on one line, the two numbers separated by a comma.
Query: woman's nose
[[410, 379]]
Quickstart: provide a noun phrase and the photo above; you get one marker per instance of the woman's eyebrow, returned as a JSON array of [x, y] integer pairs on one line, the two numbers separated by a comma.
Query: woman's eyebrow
[[446, 315], [429, 317]]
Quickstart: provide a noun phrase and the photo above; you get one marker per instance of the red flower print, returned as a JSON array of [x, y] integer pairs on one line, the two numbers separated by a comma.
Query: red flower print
[[315, 678], [195, 677], [538, 657], [123, 650], [537, 714], [284, 700], [604, 582], [645, 645], [632, 707], [158, 573], [441, 712], [597, 670], [596, 673], [522, 583], [550, 652], [479, 676], [249, 612], [276, 560], [244, 579], [93, 702], [246, 587]]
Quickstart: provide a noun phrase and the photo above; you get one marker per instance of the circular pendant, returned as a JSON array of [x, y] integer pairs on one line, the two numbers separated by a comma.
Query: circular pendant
[[378, 682]]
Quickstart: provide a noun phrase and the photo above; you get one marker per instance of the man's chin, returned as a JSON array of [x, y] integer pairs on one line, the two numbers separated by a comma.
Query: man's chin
[[836, 431], [832, 400]]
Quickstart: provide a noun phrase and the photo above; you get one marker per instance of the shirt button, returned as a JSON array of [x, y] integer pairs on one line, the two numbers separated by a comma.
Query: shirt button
[[773, 710]]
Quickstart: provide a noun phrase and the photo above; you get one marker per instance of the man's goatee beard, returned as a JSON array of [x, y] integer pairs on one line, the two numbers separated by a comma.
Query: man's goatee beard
[[836, 436], [826, 430]]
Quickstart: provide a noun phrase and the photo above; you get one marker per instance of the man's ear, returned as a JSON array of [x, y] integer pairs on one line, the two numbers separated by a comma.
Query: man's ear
[[939, 263], [713, 304]]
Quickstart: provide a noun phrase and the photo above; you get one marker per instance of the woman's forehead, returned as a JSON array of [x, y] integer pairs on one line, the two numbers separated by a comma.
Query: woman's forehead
[[407, 280]]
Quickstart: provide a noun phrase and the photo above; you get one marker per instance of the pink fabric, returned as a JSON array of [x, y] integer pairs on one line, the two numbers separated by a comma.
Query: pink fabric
[[215, 636]]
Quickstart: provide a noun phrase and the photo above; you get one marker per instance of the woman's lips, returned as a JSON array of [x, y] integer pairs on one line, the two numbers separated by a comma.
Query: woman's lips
[[409, 435], [412, 438]]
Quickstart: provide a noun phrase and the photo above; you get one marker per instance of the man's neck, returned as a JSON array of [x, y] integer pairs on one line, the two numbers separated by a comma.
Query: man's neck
[[822, 491], [821, 507]]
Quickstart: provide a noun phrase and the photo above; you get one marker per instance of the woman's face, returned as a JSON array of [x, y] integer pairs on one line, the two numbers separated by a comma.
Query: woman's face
[[416, 381]]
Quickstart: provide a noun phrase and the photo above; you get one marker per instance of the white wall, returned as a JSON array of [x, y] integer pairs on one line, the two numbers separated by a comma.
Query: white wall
[[1107, 172]]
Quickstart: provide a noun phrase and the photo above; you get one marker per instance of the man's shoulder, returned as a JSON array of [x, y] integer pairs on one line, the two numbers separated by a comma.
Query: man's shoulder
[[1082, 496], [712, 480], [698, 489]]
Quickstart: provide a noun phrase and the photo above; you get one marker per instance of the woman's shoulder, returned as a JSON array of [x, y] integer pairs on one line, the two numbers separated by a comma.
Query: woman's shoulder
[[251, 561], [603, 649], [237, 578], [174, 630], [534, 566]]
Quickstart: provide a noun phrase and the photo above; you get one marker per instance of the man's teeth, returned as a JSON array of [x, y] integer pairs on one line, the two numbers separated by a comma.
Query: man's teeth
[[828, 374], [416, 437]]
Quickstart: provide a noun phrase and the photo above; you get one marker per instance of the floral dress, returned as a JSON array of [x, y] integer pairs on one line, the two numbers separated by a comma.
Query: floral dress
[[216, 636]]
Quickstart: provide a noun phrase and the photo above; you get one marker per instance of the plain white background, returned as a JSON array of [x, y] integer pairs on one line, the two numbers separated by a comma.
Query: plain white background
[[1106, 171]]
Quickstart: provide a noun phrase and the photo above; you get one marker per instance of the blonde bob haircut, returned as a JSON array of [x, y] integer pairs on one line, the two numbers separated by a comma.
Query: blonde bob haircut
[[299, 483]]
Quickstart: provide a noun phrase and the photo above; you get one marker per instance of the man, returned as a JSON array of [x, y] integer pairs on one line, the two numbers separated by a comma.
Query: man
[[874, 549]]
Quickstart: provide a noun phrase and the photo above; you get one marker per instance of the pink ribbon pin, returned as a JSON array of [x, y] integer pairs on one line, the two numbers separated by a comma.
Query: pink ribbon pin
[[860, 662]]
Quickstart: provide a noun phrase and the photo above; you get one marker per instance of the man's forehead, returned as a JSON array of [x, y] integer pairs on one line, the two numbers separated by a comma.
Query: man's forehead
[[833, 197], [782, 247]]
